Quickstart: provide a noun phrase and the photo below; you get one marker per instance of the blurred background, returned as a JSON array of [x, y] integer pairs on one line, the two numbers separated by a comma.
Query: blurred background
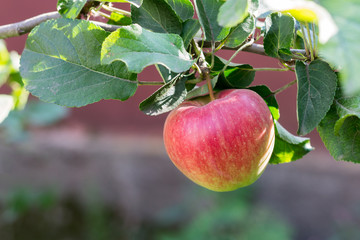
[[101, 172]]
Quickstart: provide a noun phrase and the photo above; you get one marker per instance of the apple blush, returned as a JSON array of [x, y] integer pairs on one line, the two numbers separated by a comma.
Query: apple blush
[[224, 144]]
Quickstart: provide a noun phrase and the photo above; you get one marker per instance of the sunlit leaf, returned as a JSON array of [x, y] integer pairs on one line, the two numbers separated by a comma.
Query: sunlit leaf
[[232, 12], [70, 8], [61, 64], [139, 48], [288, 147]]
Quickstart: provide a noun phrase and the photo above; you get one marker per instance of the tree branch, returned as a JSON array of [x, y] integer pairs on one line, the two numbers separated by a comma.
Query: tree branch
[[23, 27], [20, 28]]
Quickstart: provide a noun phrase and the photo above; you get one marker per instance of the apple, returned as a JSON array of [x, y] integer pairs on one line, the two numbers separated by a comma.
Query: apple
[[222, 144]]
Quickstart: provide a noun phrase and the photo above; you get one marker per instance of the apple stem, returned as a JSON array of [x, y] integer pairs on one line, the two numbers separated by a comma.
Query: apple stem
[[208, 81]]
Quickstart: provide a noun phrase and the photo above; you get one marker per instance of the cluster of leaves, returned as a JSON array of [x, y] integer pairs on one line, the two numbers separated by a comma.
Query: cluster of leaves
[[74, 62]]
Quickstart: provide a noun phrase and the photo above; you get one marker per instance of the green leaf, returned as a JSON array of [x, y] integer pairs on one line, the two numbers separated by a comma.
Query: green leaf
[[316, 91], [6, 104], [119, 19], [183, 8], [157, 16], [269, 98], [239, 76], [240, 33], [279, 33], [70, 8], [288, 147], [235, 75], [190, 28], [139, 48], [165, 98], [343, 49], [136, 3], [219, 63], [232, 12], [344, 146], [166, 74], [285, 54], [207, 11], [61, 64], [346, 107]]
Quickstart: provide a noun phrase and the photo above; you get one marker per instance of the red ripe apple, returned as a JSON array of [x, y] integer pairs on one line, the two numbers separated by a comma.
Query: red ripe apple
[[222, 144]]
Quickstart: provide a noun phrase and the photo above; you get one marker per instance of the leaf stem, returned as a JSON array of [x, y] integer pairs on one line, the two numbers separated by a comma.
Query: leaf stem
[[194, 81], [150, 83], [304, 39], [314, 38], [212, 54], [310, 42], [113, 9], [279, 90], [107, 16], [237, 51], [269, 69], [197, 68]]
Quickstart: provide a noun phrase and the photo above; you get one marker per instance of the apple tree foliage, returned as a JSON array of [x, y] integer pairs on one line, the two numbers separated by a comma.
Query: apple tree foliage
[[73, 61]]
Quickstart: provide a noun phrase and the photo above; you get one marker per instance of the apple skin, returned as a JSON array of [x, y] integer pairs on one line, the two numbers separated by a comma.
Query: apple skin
[[222, 144]]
